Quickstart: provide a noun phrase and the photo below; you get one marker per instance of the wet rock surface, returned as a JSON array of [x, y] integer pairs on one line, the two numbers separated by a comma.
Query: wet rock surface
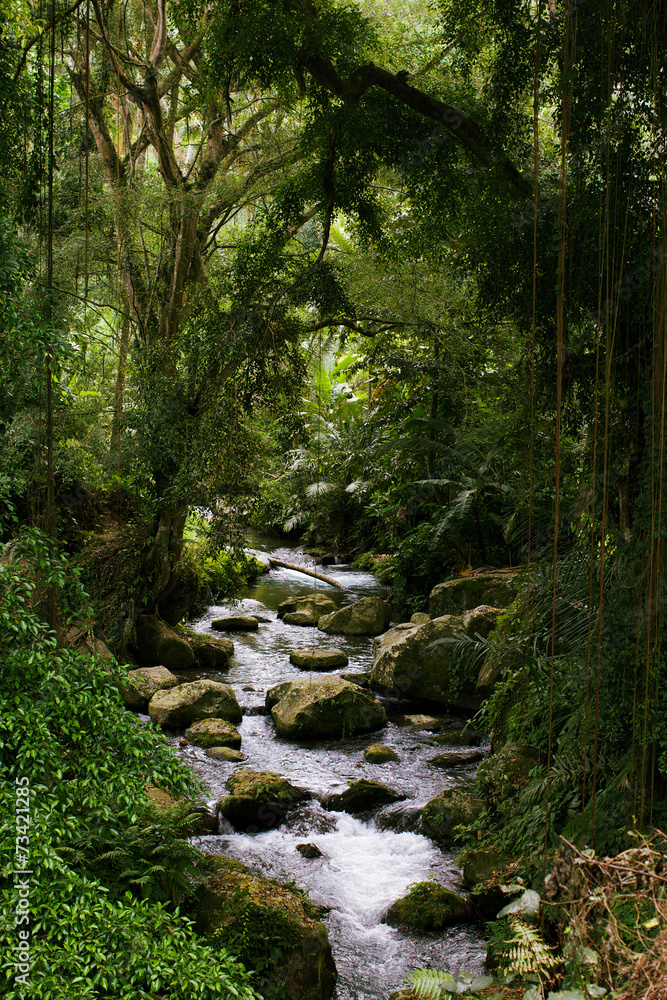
[[367, 616], [414, 661], [378, 753], [179, 707], [428, 907], [235, 623], [159, 645], [446, 811], [323, 707], [361, 796], [497, 588], [259, 800], [319, 659], [213, 733], [143, 683]]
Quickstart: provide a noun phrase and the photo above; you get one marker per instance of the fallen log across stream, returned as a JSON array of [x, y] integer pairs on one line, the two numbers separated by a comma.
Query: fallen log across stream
[[308, 572]]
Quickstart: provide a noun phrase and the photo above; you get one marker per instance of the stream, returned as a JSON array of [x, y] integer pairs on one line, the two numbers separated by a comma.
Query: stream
[[366, 864]]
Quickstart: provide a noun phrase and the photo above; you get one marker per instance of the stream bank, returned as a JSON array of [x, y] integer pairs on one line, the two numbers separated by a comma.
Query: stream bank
[[367, 861]]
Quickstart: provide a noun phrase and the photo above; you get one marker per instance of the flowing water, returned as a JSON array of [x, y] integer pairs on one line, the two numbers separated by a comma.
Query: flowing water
[[366, 863]]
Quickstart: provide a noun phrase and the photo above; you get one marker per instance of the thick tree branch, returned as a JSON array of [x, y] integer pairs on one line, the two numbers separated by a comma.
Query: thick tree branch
[[463, 129]]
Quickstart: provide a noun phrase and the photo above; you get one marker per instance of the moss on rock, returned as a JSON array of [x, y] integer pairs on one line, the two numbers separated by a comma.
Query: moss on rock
[[213, 733], [361, 796], [323, 707], [259, 800], [428, 907], [270, 927], [446, 811], [378, 753]]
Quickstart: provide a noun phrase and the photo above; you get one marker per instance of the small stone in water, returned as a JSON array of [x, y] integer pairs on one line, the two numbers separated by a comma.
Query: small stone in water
[[236, 623], [225, 753], [309, 850], [182, 742], [378, 753], [248, 687], [318, 659]]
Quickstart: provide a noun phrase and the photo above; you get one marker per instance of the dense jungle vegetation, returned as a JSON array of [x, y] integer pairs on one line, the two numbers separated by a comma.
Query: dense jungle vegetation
[[387, 279]]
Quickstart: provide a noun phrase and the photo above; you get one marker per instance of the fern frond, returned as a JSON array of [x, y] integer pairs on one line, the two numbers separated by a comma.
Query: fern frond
[[429, 983], [525, 952]]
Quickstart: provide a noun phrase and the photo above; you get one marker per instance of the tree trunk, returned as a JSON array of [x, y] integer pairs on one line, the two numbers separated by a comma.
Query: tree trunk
[[163, 556]]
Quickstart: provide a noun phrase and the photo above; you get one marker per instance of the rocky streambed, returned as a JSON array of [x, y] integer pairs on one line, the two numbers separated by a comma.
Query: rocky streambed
[[354, 850]]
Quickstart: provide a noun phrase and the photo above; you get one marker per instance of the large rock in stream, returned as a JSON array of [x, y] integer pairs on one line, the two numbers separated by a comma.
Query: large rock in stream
[[413, 661], [367, 616], [143, 683], [428, 907], [306, 610], [496, 588], [323, 707], [212, 654], [259, 800], [318, 659], [213, 733], [180, 707], [288, 943], [361, 796], [446, 811]]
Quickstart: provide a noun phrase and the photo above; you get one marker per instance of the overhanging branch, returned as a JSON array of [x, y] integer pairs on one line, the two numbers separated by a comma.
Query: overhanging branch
[[464, 130]]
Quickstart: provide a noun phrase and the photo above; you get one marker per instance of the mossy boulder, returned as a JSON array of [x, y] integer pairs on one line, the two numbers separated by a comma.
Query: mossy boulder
[[415, 661], [323, 707], [367, 616], [497, 588], [143, 683], [235, 623], [502, 776], [272, 928], [318, 659], [213, 733], [310, 606], [361, 796], [306, 610], [378, 753], [428, 907], [446, 811], [195, 700], [212, 654], [159, 645], [421, 722], [259, 800]]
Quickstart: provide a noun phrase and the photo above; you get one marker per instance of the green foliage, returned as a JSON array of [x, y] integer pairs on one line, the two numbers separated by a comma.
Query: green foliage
[[433, 983], [219, 572], [518, 947], [107, 871], [82, 941]]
